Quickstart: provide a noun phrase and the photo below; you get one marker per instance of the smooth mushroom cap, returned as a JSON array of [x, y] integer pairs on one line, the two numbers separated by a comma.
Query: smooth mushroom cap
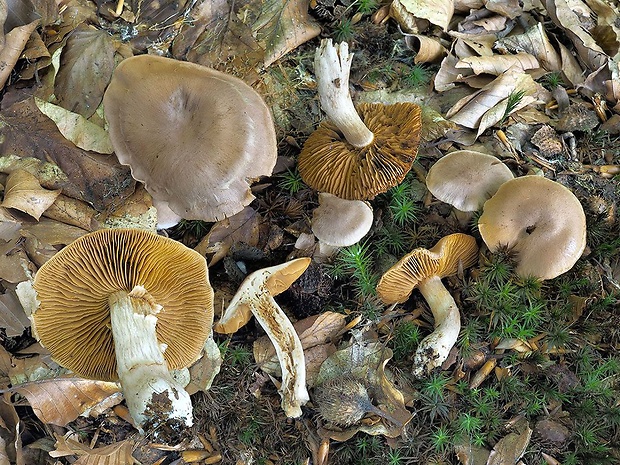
[[195, 136], [466, 179], [451, 253], [73, 288], [340, 223], [538, 219], [328, 163]]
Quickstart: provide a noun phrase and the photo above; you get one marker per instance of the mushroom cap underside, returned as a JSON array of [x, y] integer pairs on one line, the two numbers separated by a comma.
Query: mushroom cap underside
[[538, 219], [195, 136], [73, 319], [328, 163], [450, 254]]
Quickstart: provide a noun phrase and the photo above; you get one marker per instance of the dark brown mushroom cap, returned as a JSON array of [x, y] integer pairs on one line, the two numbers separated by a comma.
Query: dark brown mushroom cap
[[73, 319], [328, 163], [451, 253], [195, 136]]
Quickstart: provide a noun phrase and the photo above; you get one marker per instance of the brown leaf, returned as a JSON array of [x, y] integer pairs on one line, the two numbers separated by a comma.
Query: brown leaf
[[11, 49], [10, 421], [242, 227], [24, 193], [97, 179], [12, 315], [118, 453], [242, 37], [15, 266], [86, 66], [205, 369], [61, 400], [408, 13], [510, 448]]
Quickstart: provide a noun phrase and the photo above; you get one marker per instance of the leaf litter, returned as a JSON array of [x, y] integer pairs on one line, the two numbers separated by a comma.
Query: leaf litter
[[533, 83]]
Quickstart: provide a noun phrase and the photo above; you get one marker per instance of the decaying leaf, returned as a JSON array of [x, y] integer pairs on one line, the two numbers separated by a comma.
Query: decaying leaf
[[510, 448], [15, 266], [94, 178], [498, 64], [408, 13], [72, 212], [314, 331], [366, 361], [136, 211], [12, 316], [11, 48], [61, 400], [24, 193], [86, 66], [242, 227], [118, 453], [243, 37], [10, 431], [203, 372], [76, 128]]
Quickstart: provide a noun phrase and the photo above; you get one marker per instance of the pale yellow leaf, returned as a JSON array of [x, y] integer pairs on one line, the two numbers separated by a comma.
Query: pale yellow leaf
[[118, 453], [24, 193], [61, 400], [438, 12], [76, 128], [497, 64], [535, 42]]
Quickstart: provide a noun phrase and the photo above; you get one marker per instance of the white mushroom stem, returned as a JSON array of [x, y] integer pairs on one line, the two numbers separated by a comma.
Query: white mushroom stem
[[332, 65], [435, 348], [152, 395], [256, 293]]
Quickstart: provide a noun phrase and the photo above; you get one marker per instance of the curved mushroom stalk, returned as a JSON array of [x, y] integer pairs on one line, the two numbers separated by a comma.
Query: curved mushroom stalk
[[153, 396], [256, 296], [435, 348], [332, 65]]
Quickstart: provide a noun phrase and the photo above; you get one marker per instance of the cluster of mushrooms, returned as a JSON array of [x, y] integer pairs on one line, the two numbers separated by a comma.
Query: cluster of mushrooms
[[147, 301]]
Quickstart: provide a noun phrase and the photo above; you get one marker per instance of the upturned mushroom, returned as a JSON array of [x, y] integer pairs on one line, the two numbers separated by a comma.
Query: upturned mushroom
[[339, 223], [466, 179], [423, 269], [356, 155], [128, 305], [195, 136], [255, 297], [540, 221]]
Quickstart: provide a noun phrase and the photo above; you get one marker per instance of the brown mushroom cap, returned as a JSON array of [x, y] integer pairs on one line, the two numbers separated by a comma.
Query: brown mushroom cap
[[328, 163], [73, 319], [195, 136], [540, 220], [339, 222], [451, 253], [466, 179]]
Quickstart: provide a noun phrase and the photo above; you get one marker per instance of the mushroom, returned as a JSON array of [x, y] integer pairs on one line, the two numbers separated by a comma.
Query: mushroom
[[466, 179], [424, 268], [255, 296], [195, 136], [356, 156], [339, 223], [540, 221], [128, 305]]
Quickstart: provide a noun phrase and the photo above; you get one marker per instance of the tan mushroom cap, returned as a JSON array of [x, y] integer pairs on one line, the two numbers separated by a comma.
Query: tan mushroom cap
[[339, 222], [451, 253], [195, 136], [328, 163], [73, 319], [540, 220], [466, 179]]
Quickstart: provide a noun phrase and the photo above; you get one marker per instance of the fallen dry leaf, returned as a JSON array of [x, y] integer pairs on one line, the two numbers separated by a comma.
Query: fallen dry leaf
[[94, 178], [241, 227], [366, 361], [15, 266], [24, 193], [408, 13], [11, 49], [12, 316], [76, 128], [510, 448], [11, 424], [61, 400], [203, 372], [498, 64], [118, 453], [73, 212], [86, 66], [242, 38]]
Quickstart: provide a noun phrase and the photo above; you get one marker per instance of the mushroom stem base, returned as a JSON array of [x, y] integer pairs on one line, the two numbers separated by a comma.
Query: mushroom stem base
[[435, 348], [153, 397]]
